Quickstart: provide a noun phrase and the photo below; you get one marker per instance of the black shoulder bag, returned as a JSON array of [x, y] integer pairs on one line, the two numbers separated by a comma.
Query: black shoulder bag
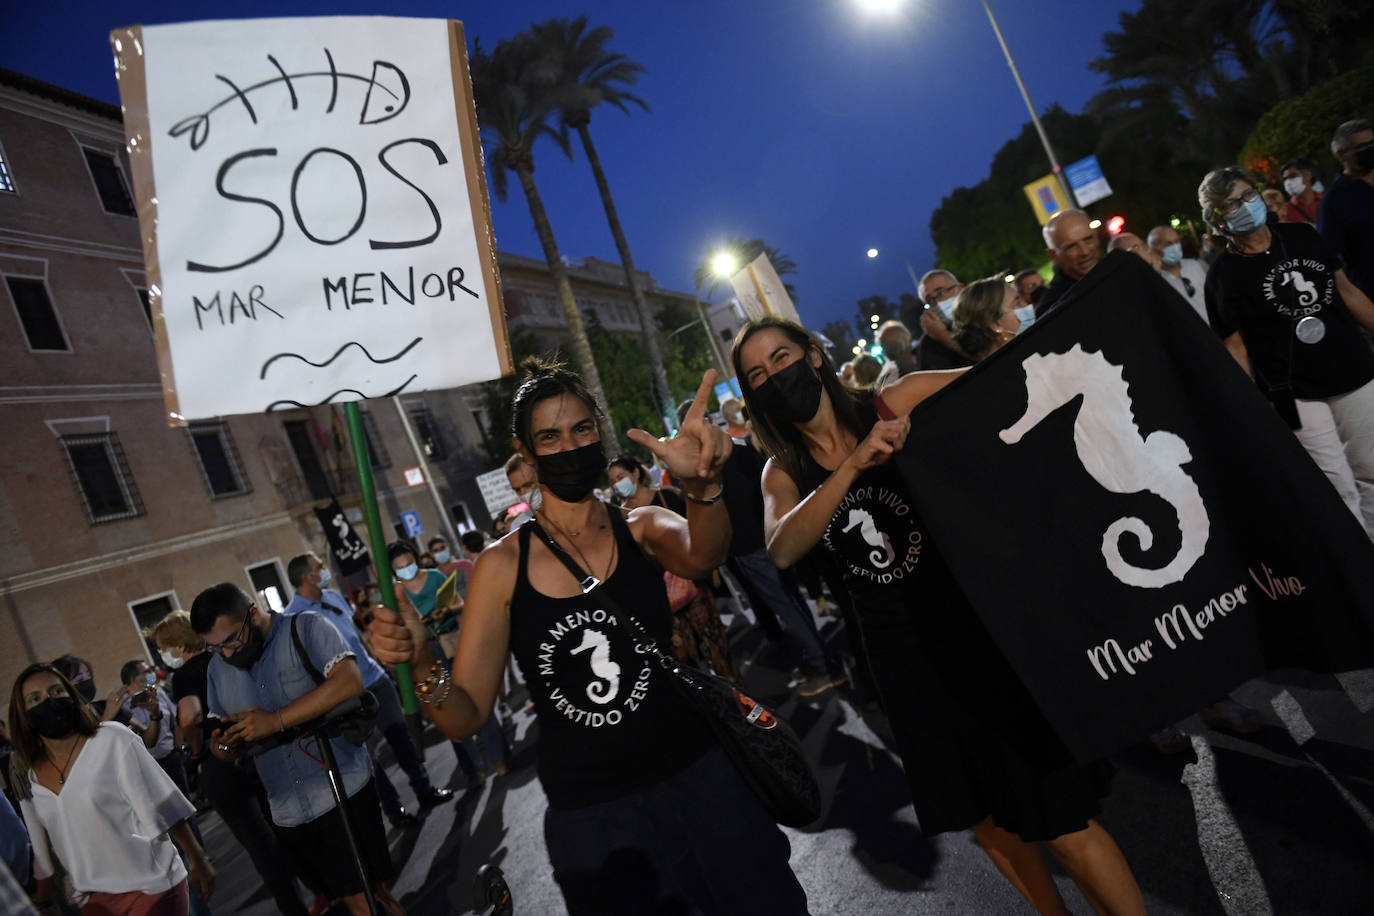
[[354, 727], [763, 748]]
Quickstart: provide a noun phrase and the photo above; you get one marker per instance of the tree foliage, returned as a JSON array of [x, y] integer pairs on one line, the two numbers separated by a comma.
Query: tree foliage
[[1186, 81], [1303, 126]]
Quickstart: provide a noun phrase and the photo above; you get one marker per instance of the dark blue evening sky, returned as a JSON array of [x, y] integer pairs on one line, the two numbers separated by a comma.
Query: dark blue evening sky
[[818, 127]]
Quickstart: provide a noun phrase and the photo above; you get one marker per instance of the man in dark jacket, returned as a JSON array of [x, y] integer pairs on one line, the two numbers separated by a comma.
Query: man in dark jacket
[[1074, 249]]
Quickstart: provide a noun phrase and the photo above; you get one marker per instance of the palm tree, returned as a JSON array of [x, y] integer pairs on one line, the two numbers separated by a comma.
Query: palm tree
[[744, 250], [515, 99], [588, 75]]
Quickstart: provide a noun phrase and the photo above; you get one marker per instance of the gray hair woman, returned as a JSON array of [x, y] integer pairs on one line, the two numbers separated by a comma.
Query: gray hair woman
[[985, 316], [1278, 298]]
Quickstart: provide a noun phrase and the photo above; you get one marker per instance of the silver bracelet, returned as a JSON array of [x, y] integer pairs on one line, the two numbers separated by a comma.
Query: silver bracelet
[[435, 688]]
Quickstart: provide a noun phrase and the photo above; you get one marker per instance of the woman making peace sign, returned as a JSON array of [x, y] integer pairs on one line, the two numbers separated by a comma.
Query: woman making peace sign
[[646, 814]]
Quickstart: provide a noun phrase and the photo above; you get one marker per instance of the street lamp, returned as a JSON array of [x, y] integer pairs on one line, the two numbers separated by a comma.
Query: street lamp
[[872, 252]]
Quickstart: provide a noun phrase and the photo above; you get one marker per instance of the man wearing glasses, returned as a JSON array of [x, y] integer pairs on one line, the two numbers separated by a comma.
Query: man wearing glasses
[[261, 686], [1187, 275], [1286, 311], [1346, 215]]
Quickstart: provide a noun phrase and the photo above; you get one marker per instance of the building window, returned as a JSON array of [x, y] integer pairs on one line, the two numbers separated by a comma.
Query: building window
[[302, 443], [266, 579], [425, 431], [6, 176], [376, 448], [147, 613], [219, 459], [109, 183], [36, 314], [147, 306], [102, 477]]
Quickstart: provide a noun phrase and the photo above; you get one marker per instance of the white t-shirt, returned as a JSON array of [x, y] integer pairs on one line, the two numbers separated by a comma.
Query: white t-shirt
[[109, 824]]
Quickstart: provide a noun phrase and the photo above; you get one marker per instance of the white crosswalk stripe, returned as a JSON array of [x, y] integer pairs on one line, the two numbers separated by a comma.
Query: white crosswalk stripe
[[1240, 889]]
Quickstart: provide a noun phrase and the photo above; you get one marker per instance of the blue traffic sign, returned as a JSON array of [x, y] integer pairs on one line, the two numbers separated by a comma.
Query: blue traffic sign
[[411, 521]]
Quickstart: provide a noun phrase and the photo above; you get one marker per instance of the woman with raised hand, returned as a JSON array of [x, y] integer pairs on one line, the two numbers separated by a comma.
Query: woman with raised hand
[[977, 752], [95, 799], [646, 814]]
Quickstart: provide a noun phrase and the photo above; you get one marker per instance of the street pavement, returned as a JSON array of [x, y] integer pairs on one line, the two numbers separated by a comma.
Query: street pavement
[[1275, 822]]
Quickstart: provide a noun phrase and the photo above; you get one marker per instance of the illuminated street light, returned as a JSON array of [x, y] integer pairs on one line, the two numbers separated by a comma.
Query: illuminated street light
[[863, 343], [1095, 224], [879, 7], [724, 264], [873, 318], [872, 252], [1009, 278]]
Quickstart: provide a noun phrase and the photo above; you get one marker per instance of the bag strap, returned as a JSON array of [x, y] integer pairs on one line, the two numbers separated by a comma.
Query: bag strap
[[588, 583], [310, 668]]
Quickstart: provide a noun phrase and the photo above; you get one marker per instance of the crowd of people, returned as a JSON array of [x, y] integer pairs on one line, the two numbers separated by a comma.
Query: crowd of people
[[274, 716]]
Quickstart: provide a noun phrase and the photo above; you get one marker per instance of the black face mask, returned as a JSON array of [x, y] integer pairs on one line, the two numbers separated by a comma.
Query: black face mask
[[248, 656], [54, 718], [1364, 159], [571, 475], [792, 395], [86, 688]]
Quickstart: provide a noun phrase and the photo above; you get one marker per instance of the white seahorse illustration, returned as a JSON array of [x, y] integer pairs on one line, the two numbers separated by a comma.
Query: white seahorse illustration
[[1112, 450], [604, 690], [1307, 290], [873, 537]]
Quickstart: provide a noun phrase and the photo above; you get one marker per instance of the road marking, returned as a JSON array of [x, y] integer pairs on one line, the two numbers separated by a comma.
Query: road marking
[[1293, 718], [1240, 889], [1359, 686]]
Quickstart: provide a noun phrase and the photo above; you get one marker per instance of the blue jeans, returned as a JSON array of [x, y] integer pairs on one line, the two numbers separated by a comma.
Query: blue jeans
[[391, 725], [697, 842], [786, 606]]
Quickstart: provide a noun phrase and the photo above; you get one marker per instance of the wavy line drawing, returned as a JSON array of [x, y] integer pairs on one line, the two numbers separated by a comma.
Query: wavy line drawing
[[198, 125], [352, 343], [286, 404]]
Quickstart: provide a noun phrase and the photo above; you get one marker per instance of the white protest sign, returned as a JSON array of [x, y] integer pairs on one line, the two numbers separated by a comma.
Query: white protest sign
[[760, 291], [496, 491], [313, 208]]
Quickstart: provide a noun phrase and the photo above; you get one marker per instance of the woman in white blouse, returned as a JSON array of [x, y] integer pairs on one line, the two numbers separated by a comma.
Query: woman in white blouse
[[97, 802]]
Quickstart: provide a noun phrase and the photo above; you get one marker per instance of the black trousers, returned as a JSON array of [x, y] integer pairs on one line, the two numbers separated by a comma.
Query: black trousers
[[238, 799]]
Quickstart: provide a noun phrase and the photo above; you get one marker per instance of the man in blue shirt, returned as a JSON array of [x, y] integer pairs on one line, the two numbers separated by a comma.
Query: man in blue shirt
[[258, 682], [311, 578]]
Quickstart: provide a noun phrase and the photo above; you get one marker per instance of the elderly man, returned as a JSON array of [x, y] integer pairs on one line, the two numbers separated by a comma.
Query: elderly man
[[1028, 285], [1129, 241], [1186, 275], [936, 349], [1346, 216], [895, 340], [1074, 249]]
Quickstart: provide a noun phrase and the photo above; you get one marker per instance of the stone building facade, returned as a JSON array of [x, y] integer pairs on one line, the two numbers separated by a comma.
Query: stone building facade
[[108, 517]]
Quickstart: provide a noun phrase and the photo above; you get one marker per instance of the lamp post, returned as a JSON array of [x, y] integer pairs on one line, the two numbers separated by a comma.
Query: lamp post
[[890, 6], [1035, 118]]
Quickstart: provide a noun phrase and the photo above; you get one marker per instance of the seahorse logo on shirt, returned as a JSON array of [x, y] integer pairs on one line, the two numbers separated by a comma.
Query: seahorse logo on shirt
[[872, 536], [1306, 289], [603, 690]]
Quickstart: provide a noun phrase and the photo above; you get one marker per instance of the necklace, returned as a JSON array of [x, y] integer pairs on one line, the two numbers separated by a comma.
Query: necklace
[[586, 564], [62, 773]]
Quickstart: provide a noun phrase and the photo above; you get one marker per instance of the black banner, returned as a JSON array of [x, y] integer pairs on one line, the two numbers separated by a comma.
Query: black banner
[[1130, 518], [349, 550]]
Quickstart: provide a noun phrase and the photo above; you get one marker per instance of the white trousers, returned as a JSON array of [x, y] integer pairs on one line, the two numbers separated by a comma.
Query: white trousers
[[1339, 435]]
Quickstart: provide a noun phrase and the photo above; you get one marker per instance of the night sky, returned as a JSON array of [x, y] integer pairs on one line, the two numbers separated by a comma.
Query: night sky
[[819, 127]]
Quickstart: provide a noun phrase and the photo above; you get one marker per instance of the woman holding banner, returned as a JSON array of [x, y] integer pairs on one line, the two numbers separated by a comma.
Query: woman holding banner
[[977, 751], [646, 814]]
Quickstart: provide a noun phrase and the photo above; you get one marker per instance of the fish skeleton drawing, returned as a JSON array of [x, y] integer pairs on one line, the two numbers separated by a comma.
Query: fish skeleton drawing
[[387, 80]]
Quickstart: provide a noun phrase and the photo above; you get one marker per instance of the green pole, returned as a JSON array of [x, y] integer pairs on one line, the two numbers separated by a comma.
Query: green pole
[[358, 437]]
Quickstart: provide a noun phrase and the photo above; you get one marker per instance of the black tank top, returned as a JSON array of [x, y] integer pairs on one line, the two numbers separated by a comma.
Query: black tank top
[[610, 723]]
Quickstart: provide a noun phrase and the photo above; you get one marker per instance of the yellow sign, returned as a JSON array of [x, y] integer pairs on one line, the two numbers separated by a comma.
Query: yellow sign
[[1046, 196]]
